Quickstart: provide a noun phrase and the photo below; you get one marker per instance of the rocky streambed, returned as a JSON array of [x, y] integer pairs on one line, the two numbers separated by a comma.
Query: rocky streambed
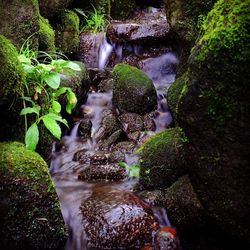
[[95, 167]]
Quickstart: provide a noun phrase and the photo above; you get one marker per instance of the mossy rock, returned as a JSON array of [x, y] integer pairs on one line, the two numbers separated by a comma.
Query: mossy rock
[[185, 18], [52, 8], [29, 207], [163, 158], [214, 114], [133, 91], [67, 32], [19, 21], [46, 36]]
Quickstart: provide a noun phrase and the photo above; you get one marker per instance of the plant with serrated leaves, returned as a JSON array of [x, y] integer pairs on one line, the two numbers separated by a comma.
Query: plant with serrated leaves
[[42, 90]]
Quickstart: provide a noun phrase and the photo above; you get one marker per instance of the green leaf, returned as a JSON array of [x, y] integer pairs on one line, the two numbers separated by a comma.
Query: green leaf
[[29, 110], [73, 66], [134, 171], [38, 89], [23, 59], [56, 106], [28, 99], [53, 80], [52, 126], [72, 100], [57, 118], [32, 137], [28, 69], [60, 91]]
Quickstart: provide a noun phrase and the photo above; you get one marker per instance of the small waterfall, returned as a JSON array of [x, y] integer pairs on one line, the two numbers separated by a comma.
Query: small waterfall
[[104, 53]]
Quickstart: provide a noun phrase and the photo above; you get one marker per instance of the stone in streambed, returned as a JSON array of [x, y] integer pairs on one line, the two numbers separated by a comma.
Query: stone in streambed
[[109, 172], [163, 158], [84, 129], [117, 219], [131, 122], [133, 91]]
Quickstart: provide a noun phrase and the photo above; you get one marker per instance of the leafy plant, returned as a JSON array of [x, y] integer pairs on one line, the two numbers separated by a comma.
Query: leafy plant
[[42, 90], [133, 171], [95, 20]]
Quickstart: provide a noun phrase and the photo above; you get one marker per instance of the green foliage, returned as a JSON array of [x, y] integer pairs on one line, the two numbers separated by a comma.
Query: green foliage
[[133, 171], [42, 84], [94, 21]]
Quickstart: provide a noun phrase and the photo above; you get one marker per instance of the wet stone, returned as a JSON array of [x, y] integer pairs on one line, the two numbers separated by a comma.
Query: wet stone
[[134, 136], [81, 156], [109, 172], [84, 129], [99, 158], [97, 76], [148, 122], [117, 219], [117, 156], [111, 139], [106, 85], [124, 147], [131, 122]]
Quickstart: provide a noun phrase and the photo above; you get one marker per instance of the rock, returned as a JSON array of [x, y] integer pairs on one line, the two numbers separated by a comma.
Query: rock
[[117, 156], [52, 8], [89, 48], [111, 139], [67, 32], [111, 172], [131, 122], [214, 114], [46, 36], [148, 121], [145, 28], [82, 156], [84, 129], [97, 76], [133, 91], [183, 206], [109, 125], [29, 207], [124, 147], [19, 21], [163, 158], [11, 88], [131, 227]]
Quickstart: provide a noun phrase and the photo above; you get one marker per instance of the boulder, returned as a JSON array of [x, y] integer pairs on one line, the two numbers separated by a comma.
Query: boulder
[[29, 207], [67, 32], [213, 112], [131, 122], [11, 88], [133, 91], [163, 158], [145, 28], [46, 36], [117, 219], [20, 21], [52, 8]]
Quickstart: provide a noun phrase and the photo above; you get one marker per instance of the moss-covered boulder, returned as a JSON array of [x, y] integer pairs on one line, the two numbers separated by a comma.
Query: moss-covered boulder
[[133, 91], [121, 9], [163, 158], [214, 114], [185, 18], [67, 32], [52, 8], [30, 211], [46, 35], [11, 87], [19, 21]]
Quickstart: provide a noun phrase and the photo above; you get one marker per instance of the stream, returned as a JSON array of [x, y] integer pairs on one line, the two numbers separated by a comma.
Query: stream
[[97, 196]]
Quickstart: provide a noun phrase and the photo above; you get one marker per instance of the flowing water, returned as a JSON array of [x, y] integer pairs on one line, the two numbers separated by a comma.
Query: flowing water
[[73, 192]]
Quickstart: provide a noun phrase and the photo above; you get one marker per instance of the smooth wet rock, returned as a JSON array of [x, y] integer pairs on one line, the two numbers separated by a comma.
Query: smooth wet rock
[[117, 156], [163, 158], [111, 139], [111, 172], [145, 28], [133, 91], [97, 76], [82, 156], [106, 85], [131, 122], [89, 48], [84, 128], [148, 121], [124, 146], [115, 218]]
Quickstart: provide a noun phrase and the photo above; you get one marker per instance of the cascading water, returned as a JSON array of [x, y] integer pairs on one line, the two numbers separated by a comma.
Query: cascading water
[[66, 169]]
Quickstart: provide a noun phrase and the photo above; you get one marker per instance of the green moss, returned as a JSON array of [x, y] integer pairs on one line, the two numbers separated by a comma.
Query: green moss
[[46, 35], [226, 27], [11, 73], [67, 32], [163, 158], [30, 214], [176, 93], [20, 20], [133, 91]]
